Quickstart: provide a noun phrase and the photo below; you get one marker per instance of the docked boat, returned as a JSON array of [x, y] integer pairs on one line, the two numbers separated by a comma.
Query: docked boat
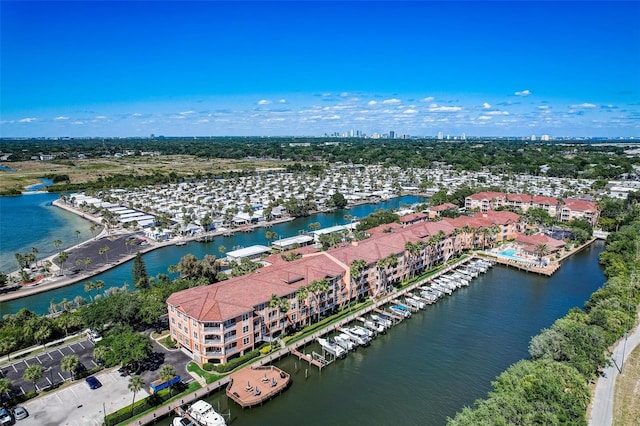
[[363, 331], [416, 301], [400, 310], [382, 320], [204, 414], [182, 421], [343, 341], [374, 326], [355, 337], [330, 346]]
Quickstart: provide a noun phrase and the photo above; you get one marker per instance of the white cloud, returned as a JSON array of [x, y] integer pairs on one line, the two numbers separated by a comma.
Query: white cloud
[[27, 120], [187, 112], [484, 117], [282, 101], [497, 113], [486, 105], [436, 108], [101, 117], [391, 101], [78, 122], [410, 111], [202, 121], [543, 107], [427, 99], [61, 118], [263, 102], [523, 93], [582, 106], [136, 114], [372, 103]]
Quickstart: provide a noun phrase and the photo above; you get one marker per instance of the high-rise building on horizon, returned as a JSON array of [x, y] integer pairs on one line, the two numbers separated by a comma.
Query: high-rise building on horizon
[[440, 136]]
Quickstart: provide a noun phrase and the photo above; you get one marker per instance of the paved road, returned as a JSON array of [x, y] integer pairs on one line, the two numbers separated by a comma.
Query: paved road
[[602, 403]]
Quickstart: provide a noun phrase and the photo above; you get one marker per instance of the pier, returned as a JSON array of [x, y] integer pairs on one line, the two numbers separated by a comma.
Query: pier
[[252, 386]]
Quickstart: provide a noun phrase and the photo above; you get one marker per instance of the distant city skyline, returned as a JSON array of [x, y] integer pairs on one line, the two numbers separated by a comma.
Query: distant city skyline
[[117, 69]]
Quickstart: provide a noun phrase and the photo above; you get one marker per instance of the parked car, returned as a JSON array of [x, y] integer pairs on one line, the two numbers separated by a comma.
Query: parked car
[[20, 413], [94, 336], [5, 417], [92, 382]]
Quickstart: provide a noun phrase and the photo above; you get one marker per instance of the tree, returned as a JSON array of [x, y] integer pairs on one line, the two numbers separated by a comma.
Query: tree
[[337, 200], [70, 363], [270, 235], [135, 384], [34, 251], [33, 373], [78, 235], [301, 295], [357, 267], [541, 250], [5, 387], [104, 250], [167, 372], [62, 257], [140, 276], [7, 345], [318, 287], [314, 226], [124, 346]]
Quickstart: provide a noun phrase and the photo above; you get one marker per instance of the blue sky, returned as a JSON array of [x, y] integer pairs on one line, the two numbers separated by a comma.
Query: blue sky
[[309, 68]]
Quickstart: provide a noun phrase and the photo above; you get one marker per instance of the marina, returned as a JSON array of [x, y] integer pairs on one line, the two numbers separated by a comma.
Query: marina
[[487, 326]]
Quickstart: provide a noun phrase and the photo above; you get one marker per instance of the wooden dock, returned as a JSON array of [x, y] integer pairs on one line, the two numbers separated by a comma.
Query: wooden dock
[[252, 385], [307, 358]]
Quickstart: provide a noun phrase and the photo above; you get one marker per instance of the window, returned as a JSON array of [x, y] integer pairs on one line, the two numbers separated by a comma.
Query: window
[[245, 329], [195, 346], [245, 317], [245, 341], [173, 320], [195, 335], [293, 317], [194, 322]]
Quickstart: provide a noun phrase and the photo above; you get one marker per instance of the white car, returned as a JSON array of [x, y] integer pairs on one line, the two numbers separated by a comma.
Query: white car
[[94, 336]]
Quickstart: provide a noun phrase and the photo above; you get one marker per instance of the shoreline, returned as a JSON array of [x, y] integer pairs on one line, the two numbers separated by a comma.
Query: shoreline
[[64, 281], [52, 284]]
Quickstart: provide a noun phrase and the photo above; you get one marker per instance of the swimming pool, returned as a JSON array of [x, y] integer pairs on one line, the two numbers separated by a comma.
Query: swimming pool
[[511, 254]]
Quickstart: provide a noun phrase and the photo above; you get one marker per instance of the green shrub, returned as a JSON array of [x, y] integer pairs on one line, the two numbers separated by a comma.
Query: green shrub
[[236, 362], [207, 366]]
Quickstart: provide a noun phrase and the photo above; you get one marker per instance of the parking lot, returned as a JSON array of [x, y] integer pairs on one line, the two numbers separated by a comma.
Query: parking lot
[[50, 362], [79, 405]]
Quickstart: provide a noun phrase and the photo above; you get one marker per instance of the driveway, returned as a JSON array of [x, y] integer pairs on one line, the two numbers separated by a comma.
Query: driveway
[[79, 405]]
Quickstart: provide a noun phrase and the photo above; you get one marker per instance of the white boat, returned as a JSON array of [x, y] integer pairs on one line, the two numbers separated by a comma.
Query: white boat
[[417, 301], [356, 338], [182, 421], [344, 341], [383, 321], [400, 310], [332, 348], [363, 331], [428, 296], [372, 325], [203, 413]]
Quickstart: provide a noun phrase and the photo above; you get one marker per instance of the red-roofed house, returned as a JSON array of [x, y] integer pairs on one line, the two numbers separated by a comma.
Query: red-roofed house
[[484, 201], [434, 211], [412, 218], [528, 243]]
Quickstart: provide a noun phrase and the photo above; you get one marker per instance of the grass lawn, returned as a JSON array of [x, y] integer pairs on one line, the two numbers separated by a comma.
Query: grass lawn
[[626, 405]]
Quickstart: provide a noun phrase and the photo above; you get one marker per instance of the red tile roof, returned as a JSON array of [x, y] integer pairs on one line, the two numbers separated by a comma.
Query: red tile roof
[[412, 217], [579, 205], [486, 195], [442, 207], [536, 239]]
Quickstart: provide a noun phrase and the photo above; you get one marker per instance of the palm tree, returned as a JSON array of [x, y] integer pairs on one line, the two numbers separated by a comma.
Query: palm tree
[[99, 285], [57, 243], [70, 363], [104, 250], [317, 287], [34, 251], [62, 257], [135, 384], [541, 250], [5, 387], [88, 287], [33, 373], [78, 235], [302, 294], [167, 372], [87, 262], [357, 267]]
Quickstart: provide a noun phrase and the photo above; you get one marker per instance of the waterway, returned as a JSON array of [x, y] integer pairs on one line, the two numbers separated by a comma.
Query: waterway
[[33, 222], [442, 359]]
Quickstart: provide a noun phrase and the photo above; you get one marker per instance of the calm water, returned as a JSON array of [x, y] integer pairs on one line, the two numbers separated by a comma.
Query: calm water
[[45, 223], [442, 359], [30, 220]]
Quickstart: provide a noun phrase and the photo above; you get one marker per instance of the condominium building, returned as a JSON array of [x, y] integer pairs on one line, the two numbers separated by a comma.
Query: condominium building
[[221, 321]]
